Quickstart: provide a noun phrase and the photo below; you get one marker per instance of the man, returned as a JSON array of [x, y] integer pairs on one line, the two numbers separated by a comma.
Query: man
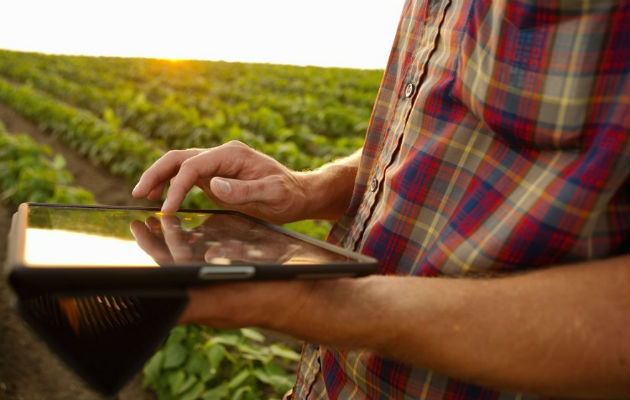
[[497, 152]]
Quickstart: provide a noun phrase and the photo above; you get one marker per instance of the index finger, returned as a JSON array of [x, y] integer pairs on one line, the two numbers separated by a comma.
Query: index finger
[[161, 171], [213, 162], [174, 238], [151, 245]]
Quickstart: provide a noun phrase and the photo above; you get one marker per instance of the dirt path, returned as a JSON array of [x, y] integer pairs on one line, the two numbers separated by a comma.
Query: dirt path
[[28, 370], [107, 189]]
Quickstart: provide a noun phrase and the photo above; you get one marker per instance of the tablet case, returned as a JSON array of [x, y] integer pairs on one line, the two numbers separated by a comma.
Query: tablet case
[[105, 339]]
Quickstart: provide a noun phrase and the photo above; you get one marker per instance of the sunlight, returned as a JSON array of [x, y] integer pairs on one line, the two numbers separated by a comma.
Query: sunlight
[[352, 33], [49, 248]]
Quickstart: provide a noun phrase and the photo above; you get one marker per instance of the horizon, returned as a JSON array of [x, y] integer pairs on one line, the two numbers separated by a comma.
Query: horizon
[[349, 34], [178, 60]]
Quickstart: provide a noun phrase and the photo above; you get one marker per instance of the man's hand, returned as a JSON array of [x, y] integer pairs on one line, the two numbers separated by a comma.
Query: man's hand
[[239, 178], [232, 175]]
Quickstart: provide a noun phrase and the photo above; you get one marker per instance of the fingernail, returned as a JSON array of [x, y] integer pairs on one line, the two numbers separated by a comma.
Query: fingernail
[[135, 188], [223, 186], [133, 227]]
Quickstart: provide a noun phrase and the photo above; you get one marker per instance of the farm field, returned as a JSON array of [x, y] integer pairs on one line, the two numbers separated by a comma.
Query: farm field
[[104, 120]]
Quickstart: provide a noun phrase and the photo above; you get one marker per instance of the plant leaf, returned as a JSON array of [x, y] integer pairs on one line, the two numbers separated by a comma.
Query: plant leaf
[[238, 379], [152, 368], [216, 354], [174, 355], [284, 352], [253, 334]]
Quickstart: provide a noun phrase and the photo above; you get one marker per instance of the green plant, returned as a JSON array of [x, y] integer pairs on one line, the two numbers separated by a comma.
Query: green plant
[[28, 172], [200, 363]]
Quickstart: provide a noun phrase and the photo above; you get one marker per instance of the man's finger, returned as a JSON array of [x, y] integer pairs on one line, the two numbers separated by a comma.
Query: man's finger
[[157, 191], [153, 246], [238, 192], [219, 160], [174, 238], [161, 171]]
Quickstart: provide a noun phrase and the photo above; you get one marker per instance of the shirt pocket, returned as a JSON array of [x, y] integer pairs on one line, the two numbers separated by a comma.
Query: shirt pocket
[[527, 69]]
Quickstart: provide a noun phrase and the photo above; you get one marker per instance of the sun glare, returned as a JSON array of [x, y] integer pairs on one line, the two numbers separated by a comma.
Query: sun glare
[[46, 247], [352, 33]]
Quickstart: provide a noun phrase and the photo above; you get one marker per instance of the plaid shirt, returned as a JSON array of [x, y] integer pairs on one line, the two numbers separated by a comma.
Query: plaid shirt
[[499, 142]]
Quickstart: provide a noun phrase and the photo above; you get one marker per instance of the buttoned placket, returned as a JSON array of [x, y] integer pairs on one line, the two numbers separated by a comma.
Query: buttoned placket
[[407, 93], [436, 10]]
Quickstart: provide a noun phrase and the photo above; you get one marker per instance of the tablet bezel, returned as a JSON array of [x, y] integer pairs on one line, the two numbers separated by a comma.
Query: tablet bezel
[[24, 277]]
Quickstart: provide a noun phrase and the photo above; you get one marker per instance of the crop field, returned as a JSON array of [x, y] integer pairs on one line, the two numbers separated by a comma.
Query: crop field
[[83, 129]]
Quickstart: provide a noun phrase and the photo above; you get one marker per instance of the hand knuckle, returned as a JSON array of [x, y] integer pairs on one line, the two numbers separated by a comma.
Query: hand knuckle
[[236, 143], [237, 148], [172, 154], [187, 165], [247, 191]]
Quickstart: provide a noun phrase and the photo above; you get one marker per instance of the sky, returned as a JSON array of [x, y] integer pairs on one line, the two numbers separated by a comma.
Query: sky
[[345, 33]]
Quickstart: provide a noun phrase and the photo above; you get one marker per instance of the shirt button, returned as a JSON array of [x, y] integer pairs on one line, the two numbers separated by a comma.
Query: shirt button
[[374, 185], [409, 89]]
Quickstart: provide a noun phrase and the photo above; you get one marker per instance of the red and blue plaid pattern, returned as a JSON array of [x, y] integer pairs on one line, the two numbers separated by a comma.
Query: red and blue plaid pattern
[[499, 142]]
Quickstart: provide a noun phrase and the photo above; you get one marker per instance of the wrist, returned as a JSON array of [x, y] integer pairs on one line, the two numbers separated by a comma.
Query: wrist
[[328, 190], [326, 312]]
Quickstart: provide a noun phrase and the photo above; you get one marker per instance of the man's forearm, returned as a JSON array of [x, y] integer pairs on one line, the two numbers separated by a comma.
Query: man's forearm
[[561, 331], [330, 187]]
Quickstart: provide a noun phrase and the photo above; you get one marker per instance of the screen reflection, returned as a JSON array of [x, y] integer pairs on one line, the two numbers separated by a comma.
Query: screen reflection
[[55, 247], [223, 239], [89, 237]]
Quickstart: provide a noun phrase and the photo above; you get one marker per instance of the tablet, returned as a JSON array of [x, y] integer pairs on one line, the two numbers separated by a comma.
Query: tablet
[[103, 286], [67, 247]]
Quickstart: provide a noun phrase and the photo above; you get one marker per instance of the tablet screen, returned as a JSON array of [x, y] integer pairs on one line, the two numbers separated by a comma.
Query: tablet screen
[[72, 236]]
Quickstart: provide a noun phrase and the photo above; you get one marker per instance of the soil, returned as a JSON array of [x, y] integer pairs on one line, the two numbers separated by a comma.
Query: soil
[[28, 369]]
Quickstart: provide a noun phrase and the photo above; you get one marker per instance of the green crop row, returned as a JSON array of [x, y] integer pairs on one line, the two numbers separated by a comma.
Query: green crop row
[[313, 107], [331, 86], [29, 172], [191, 120]]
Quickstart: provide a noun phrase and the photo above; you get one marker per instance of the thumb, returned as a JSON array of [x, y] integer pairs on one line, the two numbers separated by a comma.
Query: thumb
[[239, 192]]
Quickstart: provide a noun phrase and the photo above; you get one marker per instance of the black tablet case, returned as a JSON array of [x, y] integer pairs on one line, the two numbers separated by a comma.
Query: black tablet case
[[112, 336]]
